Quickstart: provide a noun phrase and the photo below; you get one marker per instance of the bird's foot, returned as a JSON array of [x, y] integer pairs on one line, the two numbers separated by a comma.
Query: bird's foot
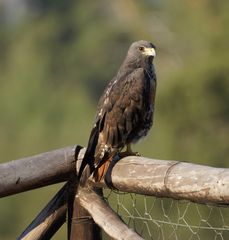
[[128, 152]]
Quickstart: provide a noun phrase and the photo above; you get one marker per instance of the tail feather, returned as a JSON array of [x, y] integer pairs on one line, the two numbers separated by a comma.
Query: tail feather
[[88, 158]]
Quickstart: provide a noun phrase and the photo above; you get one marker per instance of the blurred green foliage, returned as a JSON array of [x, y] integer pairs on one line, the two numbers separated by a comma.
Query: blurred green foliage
[[57, 56]]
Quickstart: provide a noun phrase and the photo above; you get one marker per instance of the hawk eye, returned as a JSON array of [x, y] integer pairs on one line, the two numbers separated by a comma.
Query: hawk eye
[[141, 48]]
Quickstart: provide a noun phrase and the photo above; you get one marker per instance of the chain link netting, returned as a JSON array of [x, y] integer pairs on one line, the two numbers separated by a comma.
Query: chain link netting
[[164, 218]]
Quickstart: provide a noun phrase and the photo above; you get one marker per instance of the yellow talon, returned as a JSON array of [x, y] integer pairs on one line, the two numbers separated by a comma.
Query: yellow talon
[[128, 152]]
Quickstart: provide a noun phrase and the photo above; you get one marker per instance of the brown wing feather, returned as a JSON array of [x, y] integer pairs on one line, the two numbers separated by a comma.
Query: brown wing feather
[[122, 105]]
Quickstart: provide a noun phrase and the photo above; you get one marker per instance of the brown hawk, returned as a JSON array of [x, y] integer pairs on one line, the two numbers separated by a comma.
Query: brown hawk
[[125, 110]]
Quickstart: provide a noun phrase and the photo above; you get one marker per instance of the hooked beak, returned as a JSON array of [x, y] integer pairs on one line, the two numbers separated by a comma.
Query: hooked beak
[[149, 52]]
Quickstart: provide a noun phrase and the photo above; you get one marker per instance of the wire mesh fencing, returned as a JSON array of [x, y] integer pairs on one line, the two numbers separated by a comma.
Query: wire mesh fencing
[[164, 218]]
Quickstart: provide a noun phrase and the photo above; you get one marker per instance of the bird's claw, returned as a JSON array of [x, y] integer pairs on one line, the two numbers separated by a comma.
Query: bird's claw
[[137, 154], [128, 153]]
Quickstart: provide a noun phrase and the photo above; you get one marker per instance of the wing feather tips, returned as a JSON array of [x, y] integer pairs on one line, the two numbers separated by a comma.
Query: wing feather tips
[[88, 158]]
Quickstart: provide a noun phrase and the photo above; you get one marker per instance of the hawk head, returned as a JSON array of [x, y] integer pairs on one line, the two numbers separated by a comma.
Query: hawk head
[[141, 50], [140, 54]]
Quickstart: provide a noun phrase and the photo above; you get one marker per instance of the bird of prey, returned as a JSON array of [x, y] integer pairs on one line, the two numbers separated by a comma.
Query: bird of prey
[[125, 111]]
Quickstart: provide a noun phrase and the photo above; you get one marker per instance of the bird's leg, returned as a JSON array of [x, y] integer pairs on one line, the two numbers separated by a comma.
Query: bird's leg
[[128, 152], [100, 172]]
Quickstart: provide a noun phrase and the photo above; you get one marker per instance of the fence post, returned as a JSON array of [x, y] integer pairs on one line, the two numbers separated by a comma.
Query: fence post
[[82, 224]]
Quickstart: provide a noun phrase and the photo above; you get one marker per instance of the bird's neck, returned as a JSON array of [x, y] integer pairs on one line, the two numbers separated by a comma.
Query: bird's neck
[[128, 66], [147, 64]]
